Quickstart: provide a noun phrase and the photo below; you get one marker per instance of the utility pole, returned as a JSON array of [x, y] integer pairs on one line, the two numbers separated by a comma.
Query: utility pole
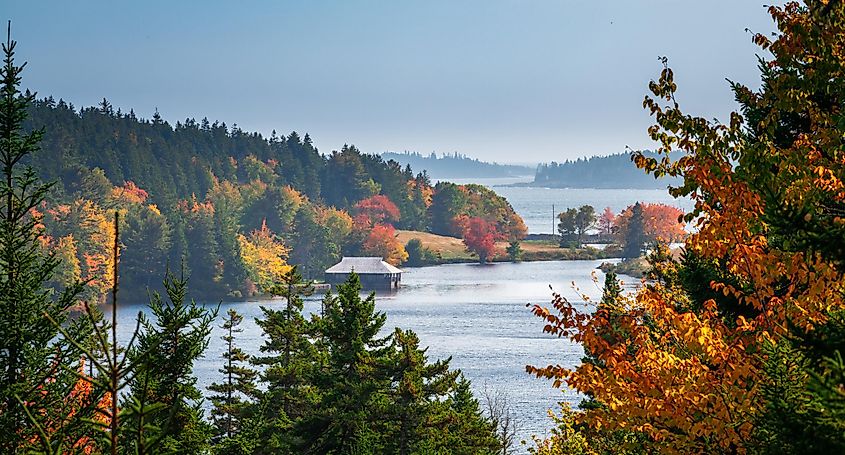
[[553, 219]]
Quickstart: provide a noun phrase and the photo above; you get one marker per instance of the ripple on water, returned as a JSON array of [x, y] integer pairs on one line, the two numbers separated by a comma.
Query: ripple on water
[[476, 314]]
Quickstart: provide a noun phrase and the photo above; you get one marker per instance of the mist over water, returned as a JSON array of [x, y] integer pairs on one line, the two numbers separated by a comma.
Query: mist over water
[[476, 314]]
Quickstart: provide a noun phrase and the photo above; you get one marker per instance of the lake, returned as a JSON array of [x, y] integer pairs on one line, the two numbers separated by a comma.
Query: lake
[[534, 205], [477, 314]]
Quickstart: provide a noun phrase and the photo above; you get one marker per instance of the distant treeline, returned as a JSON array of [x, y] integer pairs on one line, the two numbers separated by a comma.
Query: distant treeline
[[456, 165], [613, 171], [234, 208]]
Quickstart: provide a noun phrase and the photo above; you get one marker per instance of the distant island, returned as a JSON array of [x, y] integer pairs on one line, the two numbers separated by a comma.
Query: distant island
[[456, 166], [612, 171]]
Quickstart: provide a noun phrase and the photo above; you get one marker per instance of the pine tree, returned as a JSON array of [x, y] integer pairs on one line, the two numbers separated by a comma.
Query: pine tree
[[168, 346], [353, 379], [231, 404], [469, 432], [514, 250], [419, 386], [30, 382], [635, 234], [289, 358], [608, 308]]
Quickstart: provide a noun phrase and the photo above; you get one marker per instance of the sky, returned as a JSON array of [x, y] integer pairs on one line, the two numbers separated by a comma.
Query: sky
[[516, 81]]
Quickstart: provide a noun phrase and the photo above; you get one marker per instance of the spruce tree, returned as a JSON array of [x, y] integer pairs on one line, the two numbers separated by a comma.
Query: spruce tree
[[168, 346], [469, 432], [353, 380], [635, 234], [289, 358], [416, 411], [232, 400], [30, 345]]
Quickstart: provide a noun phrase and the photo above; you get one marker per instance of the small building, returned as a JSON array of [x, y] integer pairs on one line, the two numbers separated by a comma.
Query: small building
[[375, 274]]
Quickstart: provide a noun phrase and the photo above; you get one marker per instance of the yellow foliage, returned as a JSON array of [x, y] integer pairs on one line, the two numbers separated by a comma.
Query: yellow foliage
[[264, 257]]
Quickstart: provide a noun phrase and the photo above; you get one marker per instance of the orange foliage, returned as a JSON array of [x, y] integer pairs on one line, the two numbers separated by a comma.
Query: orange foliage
[[687, 374], [426, 191], [382, 241], [196, 206], [662, 222], [81, 396]]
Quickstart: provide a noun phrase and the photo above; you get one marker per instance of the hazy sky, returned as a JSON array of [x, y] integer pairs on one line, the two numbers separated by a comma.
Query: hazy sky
[[503, 80]]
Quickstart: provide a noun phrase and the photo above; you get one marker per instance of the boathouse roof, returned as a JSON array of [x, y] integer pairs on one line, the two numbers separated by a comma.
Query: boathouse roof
[[363, 266]]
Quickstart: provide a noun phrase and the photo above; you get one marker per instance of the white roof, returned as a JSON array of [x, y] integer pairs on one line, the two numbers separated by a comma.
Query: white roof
[[363, 265]]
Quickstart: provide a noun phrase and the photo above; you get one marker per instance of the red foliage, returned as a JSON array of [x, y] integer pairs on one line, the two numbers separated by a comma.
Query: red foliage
[[480, 237], [130, 193], [378, 209], [607, 220]]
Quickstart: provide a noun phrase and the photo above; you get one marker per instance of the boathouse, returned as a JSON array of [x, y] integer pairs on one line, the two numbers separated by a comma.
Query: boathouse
[[375, 274]]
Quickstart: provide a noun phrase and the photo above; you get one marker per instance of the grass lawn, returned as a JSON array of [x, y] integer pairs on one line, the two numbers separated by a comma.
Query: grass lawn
[[452, 249]]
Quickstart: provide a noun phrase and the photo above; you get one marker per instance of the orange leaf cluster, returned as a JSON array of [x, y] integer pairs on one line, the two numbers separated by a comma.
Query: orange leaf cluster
[[382, 241], [687, 374]]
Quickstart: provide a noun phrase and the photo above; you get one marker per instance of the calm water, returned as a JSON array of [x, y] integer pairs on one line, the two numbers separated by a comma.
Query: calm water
[[476, 314], [535, 204]]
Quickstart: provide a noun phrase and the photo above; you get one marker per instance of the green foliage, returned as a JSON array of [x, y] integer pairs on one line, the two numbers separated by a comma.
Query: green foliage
[[315, 248], [31, 387], [418, 255], [612, 171], [574, 223], [634, 235], [147, 240], [352, 379], [514, 250], [168, 345], [289, 358], [231, 405]]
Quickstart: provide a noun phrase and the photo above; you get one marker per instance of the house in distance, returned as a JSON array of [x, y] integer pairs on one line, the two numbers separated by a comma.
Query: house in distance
[[375, 274]]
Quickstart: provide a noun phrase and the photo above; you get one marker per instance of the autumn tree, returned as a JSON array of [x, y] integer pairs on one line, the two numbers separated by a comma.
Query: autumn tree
[[606, 222], [747, 361], [264, 257], [382, 242], [661, 223], [378, 209], [480, 236]]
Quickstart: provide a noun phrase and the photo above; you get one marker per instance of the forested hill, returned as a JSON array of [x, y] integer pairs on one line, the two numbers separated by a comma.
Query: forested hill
[[235, 209], [457, 166], [613, 171]]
